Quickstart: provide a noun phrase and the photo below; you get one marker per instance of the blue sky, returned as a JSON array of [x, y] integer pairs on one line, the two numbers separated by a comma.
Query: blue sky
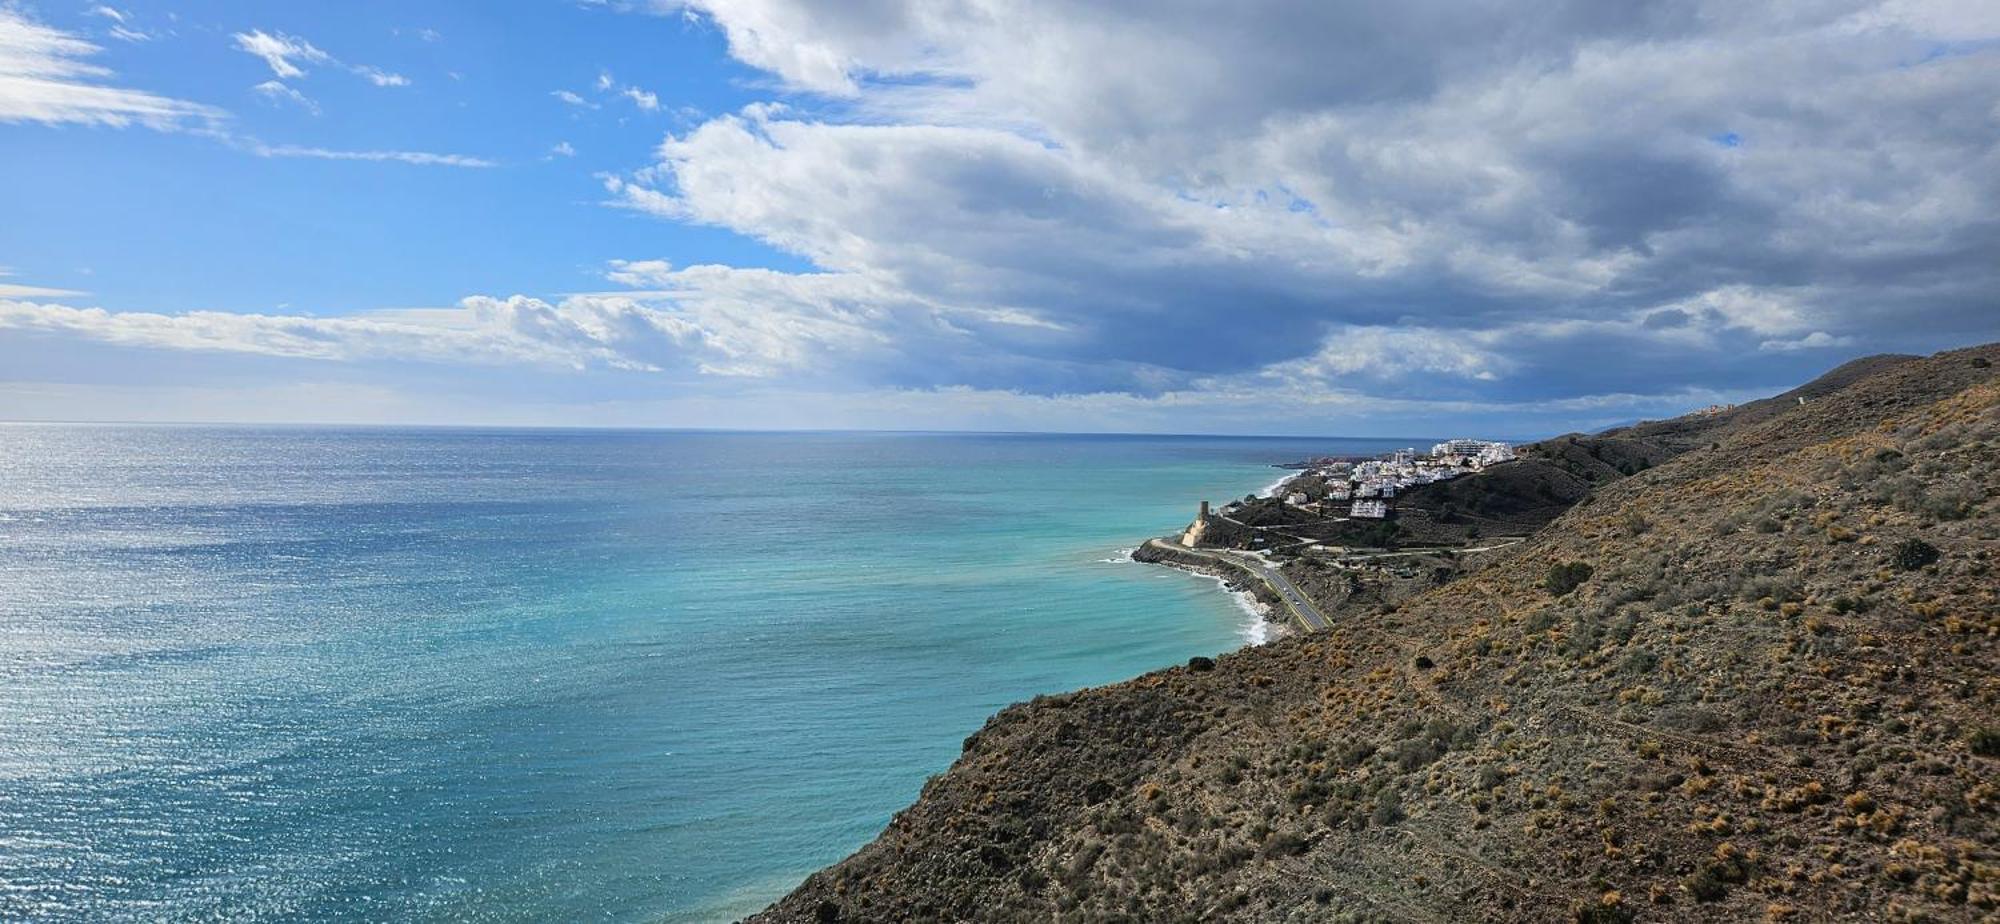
[[174, 221], [1329, 218]]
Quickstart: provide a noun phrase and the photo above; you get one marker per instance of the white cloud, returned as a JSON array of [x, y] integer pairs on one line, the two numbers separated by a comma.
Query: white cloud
[[483, 331], [1353, 206], [285, 55], [16, 290], [288, 55], [382, 78], [640, 273], [1399, 195], [121, 24], [277, 91], [45, 76], [1817, 340], [641, 98], [420, 158], [703, 321], [562, 149], [1392, 352]]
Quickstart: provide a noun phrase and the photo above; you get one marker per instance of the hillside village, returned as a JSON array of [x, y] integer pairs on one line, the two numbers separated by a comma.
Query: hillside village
[[1364, 488]]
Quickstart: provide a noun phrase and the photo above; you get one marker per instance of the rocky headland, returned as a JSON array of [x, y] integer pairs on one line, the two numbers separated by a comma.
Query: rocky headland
[[1744, 665]]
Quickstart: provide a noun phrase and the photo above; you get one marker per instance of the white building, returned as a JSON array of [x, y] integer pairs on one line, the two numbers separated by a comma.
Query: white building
[[1370, 509], [1296, 499], [1458, 447], [1484, 452]]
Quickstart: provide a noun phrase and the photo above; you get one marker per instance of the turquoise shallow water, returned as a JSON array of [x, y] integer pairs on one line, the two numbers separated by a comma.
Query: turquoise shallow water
[[299, 674]]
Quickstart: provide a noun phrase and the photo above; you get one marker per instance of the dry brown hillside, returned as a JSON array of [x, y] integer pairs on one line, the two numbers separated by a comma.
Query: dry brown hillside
[[1757, 681]]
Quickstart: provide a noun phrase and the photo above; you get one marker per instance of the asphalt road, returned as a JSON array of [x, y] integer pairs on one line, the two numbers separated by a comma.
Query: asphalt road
[[1302, 607]]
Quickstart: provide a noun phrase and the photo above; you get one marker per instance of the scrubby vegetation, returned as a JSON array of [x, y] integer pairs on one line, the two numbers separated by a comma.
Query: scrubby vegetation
[[1774, 702], [1564, 577]]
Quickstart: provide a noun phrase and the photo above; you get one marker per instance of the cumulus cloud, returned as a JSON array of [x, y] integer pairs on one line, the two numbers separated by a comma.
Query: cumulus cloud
[[640, 273], [643, 99], [1585, 208], [46, 76], [706, 319], [1392, 196], [482, 330]]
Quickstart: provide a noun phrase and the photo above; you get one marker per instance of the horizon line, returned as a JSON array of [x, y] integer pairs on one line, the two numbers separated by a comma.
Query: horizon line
[[666, 428]]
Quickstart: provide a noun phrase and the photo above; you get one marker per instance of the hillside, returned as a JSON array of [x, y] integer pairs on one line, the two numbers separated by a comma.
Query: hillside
[[1550, 476], [1754, 681]]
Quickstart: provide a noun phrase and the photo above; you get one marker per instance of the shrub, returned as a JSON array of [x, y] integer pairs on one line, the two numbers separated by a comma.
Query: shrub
[[1564, 577], [1490, 777], [1984, 742], [1706, 886], [1727, 867], [1639, 661], [1911, 554], [1388, 808], [1285, 844], [1603, 912], [1948, 499]]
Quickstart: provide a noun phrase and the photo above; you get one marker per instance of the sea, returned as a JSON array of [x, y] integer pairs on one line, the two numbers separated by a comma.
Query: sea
[[346, 674]]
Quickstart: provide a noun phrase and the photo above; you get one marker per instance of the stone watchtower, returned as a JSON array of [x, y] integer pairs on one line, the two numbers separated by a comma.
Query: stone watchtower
[[1200, 525]]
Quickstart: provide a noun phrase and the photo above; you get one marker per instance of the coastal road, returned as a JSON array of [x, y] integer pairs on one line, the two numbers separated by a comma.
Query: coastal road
[[1301, 606]]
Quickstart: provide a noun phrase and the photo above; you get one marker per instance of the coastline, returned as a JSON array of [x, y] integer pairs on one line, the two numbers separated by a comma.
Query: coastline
[[1267, 620], [1272, 489], [1261, 626], [1250, 594]]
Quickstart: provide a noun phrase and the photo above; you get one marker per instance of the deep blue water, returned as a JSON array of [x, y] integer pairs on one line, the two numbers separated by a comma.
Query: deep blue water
[[370, 675]]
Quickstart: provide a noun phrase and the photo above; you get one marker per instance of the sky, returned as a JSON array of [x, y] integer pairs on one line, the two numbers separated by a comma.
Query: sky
[[1504, 219]]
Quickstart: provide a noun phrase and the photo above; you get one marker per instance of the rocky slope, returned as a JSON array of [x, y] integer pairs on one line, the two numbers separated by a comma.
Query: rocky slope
[[1552, 475], [1754, 681]]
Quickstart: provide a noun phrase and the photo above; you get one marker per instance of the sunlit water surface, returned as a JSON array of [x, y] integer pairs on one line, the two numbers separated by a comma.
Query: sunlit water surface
[[345, 674]]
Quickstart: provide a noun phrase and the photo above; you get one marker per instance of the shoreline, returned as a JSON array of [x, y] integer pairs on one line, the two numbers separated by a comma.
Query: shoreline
[[1268, 624], [1250, 594], [1260, 627], [1272, 489]]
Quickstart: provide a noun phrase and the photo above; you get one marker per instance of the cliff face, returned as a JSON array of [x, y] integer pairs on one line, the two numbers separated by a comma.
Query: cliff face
[[1756, 680]]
